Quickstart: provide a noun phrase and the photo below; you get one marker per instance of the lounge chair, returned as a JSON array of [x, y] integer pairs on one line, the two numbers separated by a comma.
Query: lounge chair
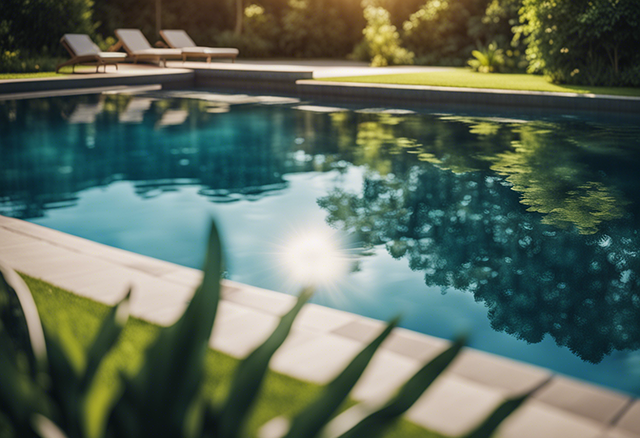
[[84, 51], [178, 39], [139, 49]]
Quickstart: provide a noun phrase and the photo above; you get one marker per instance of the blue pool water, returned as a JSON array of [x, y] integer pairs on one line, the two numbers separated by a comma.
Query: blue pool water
[[520, 230]]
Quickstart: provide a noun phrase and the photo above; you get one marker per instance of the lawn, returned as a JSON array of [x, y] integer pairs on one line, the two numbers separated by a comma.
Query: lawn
[[462, 77], [75, 320]]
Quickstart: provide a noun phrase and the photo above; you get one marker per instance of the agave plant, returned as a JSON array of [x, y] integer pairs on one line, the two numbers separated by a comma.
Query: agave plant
[[44, 393], [488, 59]]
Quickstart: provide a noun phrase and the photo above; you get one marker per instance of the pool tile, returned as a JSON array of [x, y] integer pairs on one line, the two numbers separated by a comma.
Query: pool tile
[[414, 345], [403, 342], [583, 399], [318, 360], [538, 420], [507, 375], [323, 319], [270, 302], [186, 276], [10, 241], [618, 433], [630, 419], [240, 334], [453, 405], [386, 372], [362, 329]]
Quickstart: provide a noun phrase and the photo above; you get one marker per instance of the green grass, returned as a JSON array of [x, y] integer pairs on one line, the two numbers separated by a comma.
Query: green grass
[[75, 320], [461, 77], [44, 74]]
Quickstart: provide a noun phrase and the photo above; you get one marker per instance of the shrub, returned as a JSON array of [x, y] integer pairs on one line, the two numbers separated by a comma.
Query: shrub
[[315, 28], [34, 27], [14, 62], [43, 390], [259, 37], [444, 32], [381, 43], [583, 41], [487, 60]]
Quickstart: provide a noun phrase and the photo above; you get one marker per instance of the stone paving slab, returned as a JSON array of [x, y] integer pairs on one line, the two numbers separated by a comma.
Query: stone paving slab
[[589, 401], [324, 340], [539, 420], [630, 419]]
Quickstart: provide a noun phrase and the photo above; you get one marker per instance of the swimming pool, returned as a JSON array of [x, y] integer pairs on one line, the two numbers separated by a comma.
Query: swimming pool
[[521, 230]]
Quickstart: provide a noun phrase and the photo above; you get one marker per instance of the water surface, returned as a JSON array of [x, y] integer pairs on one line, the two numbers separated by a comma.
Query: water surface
[[521, 230]]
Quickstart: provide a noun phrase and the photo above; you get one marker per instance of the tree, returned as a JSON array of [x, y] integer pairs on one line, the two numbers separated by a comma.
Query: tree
[[584, 41]]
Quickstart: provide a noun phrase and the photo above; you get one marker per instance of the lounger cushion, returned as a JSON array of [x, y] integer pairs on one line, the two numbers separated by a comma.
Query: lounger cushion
[[157, 52], [80, 44], [113, 56], [133, 40], [177, 38], [210, 51]]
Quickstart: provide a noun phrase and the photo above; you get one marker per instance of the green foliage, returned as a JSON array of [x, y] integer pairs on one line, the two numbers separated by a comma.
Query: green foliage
[[488, 60], [34, 27], [584, 41], [14, 62], [444, 32], [315, 28], [259, 37], [381, 43], [48, 395]]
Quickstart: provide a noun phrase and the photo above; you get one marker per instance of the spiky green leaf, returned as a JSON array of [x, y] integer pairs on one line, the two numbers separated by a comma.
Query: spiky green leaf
[[370, 421], [250, 374], [106, 338], [309, 421], [491, 423], [167, 386]]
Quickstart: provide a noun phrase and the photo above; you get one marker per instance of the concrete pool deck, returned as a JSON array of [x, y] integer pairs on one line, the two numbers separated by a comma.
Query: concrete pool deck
[[323, 340], [295, 77]]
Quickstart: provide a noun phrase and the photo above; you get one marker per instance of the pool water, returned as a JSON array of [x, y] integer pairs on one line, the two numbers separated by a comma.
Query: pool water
[[520, 230]]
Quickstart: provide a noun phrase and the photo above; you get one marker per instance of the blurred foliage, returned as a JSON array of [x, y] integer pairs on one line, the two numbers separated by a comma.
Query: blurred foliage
[[47, 395], [30, 32], [487, 60], [444, 32], [15, 62], [36, 26], [259, 37], [590, 42], [381, 42], [315, 28]]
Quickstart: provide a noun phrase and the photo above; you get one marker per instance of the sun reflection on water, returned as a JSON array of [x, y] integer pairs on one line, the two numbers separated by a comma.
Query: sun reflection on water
[[318, 259]]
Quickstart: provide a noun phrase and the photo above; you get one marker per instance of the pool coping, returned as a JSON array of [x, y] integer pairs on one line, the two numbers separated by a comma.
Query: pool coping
[[324, 339], [298, 80]]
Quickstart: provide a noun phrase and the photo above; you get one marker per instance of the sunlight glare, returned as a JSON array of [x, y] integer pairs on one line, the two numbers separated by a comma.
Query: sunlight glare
[[315, 259]]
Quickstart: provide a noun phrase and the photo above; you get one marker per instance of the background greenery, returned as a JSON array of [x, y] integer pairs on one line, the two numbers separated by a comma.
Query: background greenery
[[579, 42]]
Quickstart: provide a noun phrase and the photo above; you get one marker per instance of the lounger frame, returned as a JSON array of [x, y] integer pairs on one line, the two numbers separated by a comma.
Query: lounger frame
[[84, 59]]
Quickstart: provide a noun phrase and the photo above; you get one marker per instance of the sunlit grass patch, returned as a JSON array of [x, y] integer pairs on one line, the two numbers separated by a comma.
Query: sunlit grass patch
[[462, 77]]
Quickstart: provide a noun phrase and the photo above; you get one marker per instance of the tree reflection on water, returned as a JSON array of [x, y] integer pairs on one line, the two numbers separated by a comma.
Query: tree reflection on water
[[565, 265]]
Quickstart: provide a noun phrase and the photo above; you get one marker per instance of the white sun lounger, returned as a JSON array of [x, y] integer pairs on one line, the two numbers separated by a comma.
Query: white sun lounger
[[178, 39], [139, 49], [84, 51]]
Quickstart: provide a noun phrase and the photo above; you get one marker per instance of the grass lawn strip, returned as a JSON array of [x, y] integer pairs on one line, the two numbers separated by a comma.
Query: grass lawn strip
[[465, 78], [75, 320]]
